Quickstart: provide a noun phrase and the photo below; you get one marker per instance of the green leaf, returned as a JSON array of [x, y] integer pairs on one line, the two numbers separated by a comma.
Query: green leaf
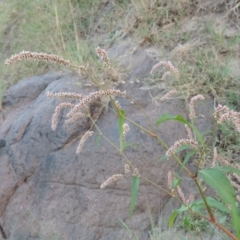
[[235, 213], [174, 214], [172, 218], [199, 204], [179, 118], [229, 169], [222, 219], [135, 185], [218, 181], [163, 158], [127, 144], [120, 127], [175, 183], [225, 190]]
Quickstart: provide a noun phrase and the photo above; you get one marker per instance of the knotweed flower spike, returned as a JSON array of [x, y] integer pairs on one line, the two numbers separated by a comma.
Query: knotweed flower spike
[[164, 76], [181, 142], [170, 180], [57, 113], [70, 95], [189, 132], [192, 114], [166, 96], [112, 179], [223, 114], [135, 172], [104, 56], [75, 117], [168, 65], [26, 55], [181, 194], [126, 128], [83, 140], [117, 104], [127, 169], [94, 96], [215, 156]]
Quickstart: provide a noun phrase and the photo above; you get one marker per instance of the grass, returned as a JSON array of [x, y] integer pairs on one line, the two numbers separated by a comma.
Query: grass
[[65, 28], [203, 51]]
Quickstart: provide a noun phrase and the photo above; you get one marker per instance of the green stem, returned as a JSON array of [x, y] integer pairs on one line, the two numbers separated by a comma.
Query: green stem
[[213, 220], [216, 224]]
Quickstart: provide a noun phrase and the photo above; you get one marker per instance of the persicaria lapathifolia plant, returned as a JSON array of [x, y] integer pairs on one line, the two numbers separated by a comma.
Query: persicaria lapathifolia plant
[[195, 145]]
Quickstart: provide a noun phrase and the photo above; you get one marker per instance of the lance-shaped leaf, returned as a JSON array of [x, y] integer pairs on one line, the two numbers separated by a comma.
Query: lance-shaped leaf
[[235, 213], [229, 169], [199, 204], [218, 181], [174, 215], [179, 118], [135, 185]]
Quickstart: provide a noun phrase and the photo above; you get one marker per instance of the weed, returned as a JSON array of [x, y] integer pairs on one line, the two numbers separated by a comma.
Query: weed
[[195, 145], [204, 65]]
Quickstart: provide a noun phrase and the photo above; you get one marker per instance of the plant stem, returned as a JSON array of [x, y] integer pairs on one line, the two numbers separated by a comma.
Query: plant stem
[[217, 225], [212, 218], [225, 230]]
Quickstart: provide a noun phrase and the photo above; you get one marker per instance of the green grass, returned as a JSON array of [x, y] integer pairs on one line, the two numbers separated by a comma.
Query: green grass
[[66, 28], [73, 28]]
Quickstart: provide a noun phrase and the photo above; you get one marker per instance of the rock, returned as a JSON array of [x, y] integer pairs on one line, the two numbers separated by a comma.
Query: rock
[[2, 143], [47, 191]]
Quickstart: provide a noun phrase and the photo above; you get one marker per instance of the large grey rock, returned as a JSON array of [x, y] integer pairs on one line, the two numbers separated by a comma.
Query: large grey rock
[[47, 191]]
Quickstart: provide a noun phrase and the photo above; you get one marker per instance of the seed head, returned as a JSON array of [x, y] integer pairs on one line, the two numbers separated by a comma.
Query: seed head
[[65, 95], [93, 96], [223, 114], [57, 113], [181, 194], [112, 179], [83, 140], [189, 132], [127, 169], [135, 172], [192, 114], [215, 156], [166, 96], [104, 56], [170, 180], [26, 55], [168, 65], [181, 142]]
